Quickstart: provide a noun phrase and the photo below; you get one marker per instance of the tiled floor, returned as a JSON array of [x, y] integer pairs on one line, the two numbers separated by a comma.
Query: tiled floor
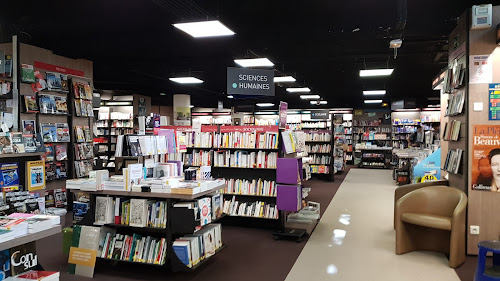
[[355, 239]]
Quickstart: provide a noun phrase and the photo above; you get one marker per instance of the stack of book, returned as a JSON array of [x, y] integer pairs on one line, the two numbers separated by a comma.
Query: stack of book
[[452, 130], [36, 275]]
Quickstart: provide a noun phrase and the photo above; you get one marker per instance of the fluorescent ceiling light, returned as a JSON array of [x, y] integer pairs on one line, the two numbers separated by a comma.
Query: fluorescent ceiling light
[[320, 102], [298, 90], [373, 101], [282, 79], [310, 97], [230, 97], [305, 112], [186, 80], [374, 93], [204, 29], [191, 106], [266, 113], [254, 62], [265, 104], [375, 72]]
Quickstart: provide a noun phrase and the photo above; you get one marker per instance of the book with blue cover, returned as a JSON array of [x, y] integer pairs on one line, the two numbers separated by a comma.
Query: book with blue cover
[[47, 104], [53, 81], [49, 132], [4, 262], [9, 175]]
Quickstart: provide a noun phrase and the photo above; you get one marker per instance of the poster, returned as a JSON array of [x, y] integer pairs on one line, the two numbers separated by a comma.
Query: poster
[[494, 105], [35, 171], [481, 69], [428, 169], [486, 158], [283, 111]]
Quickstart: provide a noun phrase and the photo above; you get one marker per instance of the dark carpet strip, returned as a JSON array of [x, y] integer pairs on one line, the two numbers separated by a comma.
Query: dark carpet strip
[[251, 253]]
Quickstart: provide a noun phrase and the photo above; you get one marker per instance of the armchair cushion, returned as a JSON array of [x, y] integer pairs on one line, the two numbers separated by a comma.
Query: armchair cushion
[[432, 221]]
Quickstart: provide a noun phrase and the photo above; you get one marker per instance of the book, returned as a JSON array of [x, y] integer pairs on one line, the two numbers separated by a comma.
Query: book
[[49, 152], [78, 109], [36, 275], [61, 105], [17, 142], [49, 132], [62, 131], [53, 81], [23, 258], [216, 206], [29, 126], [47, 104], [30, 104], [64, 83], [86, 237], [83, 108], [90, 108], [138, 212], [29, 143], [35, 175], [50, 171], [76, 89], [5, 143], [27, 73], [205, 210], [87, 133], [80, 136], [4, 261], [104, 212], [61, 171], [88, 92], [60, 152], [9, 176]]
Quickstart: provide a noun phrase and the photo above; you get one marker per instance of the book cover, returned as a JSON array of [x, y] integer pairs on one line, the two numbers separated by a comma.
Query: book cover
[[9, 176], [83, 108], [90, 108], [62, 132], [60, 197], [53, 81], [49, 152], [205, 210], [87, 133], [138, 212], [4, 264], [29, 143], [88, 91], [5, 143], [23, 258], [49, 199], [216, 206], [64, 83], [76, 89], [29, 126], [61, 153], [49, 132], [35, 175], [17, 142], [61, 105], [47, 104], [39, 275], [30, 104], [78, 110], [27, 73], [50, 171], [80, 137], [61, 171]]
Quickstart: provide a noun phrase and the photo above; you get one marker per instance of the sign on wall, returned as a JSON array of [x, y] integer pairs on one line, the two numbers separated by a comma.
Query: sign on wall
[[254, 82], [486, 157], [494, 96], [320, 114]]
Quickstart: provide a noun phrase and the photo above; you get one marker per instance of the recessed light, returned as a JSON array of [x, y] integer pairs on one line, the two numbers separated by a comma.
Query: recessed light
[[163, 94], [298, 90], [375, 72], [230, 97], [265, 104], [254, 62], [283, 79], [310, 97], [320, 102], [373, 101], [204, 29], [186, 80], [191, 106], [374, 93]]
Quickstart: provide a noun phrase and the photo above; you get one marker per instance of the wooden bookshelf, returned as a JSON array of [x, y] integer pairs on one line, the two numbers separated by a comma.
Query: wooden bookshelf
[[16, 155]]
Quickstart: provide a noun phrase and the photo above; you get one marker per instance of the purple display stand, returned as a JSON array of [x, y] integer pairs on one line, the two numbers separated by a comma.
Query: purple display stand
[[289, 197], [289, 170]]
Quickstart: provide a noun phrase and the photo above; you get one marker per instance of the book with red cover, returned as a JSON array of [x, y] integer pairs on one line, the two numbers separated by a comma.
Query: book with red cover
[[38, 275]]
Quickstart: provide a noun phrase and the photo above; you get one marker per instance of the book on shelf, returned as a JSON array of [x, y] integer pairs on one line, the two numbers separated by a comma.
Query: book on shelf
[[62, 131], [250, 187], [29, 126], [267, 140], [53, 81], [205, 209], [61, 105], [257, 209], [35, 175], [60, 152], [49, 132], [453, 161], [86, 237], [216, 206], [9, 176], [5, 143], [30, 104], [64, 83], [78, 108], [17, 142], [192, 249], [245, 159], [27, 73], [47, 104]]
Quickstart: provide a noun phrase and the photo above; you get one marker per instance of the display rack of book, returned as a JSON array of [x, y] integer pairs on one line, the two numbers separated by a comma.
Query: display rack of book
[[339, 144], [321, 164], [348, 137], [402, 129], [375, 157]]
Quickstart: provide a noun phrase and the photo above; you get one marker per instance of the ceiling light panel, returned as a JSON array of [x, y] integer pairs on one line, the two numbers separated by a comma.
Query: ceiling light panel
[[375, 72], [320, 102], [374, 93], [310, 97], [284, 79], [298, 90], [373, 101], [264, 62], [186, 80], [265, 104], [202, 29]]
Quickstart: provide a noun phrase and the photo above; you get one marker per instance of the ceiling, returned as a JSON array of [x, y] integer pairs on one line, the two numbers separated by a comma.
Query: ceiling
[[322, 43]]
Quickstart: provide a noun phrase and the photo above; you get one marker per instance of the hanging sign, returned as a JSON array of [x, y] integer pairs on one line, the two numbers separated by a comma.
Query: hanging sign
[[253, 82], [494, 95], [320, 114], [283, 110]]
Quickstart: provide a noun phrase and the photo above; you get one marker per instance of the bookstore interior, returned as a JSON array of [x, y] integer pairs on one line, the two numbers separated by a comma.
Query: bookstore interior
[[132, 181]]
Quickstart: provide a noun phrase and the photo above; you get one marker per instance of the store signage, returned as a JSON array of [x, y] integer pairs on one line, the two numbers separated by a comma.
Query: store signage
[[283, 110], [259, 129], [428, 169], [400, 104], [190, 129], [59, 69], [253, 82], [358, 112], [494, 107], [320, 114]]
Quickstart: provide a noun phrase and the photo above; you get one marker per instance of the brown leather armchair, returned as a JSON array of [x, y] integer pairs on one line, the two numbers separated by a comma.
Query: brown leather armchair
[[404, 189], [432, 219]]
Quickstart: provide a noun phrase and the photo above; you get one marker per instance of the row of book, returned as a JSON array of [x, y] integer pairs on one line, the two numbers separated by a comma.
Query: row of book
[[19, 224], [403, 122], [257, 209], [16, 201], [197, 139], [319, 169], [290, 141], [456, 102], [17, 142], [246, 159], [315, 125], [205, 209], [197, 158], [453, 159], [319, 148], [117, 115], [320, 159], [405, 129], [365, 122], [83, 168], [83, 134], [268, 140], [132, 212], [451, 130], [47, 104], [454, 78], [250, 187], [318, 136], [84, 108], [145, 145], [135, 248], [194, 248], [82, 91], [55, 132], [84, 151]]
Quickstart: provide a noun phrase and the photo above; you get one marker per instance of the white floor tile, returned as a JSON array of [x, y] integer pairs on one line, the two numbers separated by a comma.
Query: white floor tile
[[355, 239]]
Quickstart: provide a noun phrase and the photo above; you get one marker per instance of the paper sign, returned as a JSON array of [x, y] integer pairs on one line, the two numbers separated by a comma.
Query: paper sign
[[481, 69], [80, 256], [5, 129], [197, 125], [478, 106]]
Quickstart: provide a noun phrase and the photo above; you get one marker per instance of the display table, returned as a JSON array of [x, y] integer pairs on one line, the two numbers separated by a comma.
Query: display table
[[21, 240]]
